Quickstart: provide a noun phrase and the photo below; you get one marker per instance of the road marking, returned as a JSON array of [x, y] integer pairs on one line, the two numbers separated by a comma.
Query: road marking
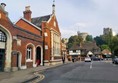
[[91, 65], [40, 77]]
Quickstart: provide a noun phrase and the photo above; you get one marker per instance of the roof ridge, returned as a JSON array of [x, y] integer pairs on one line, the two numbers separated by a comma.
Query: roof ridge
[[41, 16]]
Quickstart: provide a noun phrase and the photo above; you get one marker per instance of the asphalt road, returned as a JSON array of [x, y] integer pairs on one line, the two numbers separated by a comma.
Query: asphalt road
[[84, 72]]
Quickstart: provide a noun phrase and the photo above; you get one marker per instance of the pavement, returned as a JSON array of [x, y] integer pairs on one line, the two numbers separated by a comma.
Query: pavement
[[22, 76]]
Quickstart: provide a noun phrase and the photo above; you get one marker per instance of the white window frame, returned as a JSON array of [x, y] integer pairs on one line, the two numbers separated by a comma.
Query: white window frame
[[29, 54]]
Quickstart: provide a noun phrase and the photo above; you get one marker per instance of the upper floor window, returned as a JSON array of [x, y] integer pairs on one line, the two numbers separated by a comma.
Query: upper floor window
[[2, 37]]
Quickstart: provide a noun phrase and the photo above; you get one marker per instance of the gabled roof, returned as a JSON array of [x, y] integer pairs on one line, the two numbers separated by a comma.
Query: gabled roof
[[30, 23], [106, 51], [38, 20]]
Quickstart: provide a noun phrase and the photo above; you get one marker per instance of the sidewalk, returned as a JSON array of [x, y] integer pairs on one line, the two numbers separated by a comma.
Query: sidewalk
[[22, 75]]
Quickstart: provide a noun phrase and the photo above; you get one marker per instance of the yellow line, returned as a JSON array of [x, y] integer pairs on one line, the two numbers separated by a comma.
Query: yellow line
[[41, 77]]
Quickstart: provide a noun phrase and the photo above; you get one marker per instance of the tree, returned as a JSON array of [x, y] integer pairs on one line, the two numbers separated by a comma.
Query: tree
[[89, 38], [105, 47], [108, 38], [104, 41], [74, 40], [114, 44], [99, 40]]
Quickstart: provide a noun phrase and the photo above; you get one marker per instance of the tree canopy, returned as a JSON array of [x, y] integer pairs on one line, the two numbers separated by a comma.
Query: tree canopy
[[108, 41], [74, 40]]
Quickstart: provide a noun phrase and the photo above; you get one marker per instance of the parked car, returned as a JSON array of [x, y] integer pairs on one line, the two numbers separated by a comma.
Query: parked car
[[115, 60], [87, 59], [94, 58]]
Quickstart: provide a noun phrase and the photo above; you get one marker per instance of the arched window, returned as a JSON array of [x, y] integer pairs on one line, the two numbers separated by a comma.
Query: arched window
[[29, 53], [2, 37]]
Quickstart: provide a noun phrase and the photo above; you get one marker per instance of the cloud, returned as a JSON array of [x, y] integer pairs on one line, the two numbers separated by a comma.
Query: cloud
[[81, 25], [89, 15], [66, 33]]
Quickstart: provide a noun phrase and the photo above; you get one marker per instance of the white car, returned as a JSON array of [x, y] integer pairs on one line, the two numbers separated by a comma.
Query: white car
[[87, 59]]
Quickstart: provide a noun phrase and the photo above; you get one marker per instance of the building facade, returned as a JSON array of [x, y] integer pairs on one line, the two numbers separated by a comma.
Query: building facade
[[51, 36], [85, 49], [20, 46]]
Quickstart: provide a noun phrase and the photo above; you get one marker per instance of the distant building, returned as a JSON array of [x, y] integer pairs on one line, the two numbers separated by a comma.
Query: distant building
[[106, 53], [64, 48], [90, 49], [107, 31], [83, 35], [85, 49]]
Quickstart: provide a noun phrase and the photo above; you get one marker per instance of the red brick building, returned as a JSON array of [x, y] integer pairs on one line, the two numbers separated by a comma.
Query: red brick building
[[51, 36], [21, 44]]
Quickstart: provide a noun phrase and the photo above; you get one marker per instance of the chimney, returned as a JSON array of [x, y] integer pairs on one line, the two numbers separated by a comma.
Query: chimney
[[27, 13], [3, 6]]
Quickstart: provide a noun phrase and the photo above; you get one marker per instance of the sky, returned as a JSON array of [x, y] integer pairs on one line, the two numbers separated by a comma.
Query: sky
[[89, 16]]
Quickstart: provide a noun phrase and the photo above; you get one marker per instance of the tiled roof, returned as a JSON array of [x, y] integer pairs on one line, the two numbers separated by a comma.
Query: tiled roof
[[89, 46], [75, 47], [38, 20], [106, 51], [85, 45]]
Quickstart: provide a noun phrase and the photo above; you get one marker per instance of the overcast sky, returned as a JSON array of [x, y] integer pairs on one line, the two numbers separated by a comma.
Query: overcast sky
[[89, 16]]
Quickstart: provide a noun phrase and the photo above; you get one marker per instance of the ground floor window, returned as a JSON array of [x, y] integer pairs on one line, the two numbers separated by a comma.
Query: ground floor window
[[2, 37], [29, 53]]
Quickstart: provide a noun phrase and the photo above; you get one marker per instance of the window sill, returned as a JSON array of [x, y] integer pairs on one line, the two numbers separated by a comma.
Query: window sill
[[29, 60]]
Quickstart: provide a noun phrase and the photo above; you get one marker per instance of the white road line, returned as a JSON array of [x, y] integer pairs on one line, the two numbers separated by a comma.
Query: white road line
[[91, 65]]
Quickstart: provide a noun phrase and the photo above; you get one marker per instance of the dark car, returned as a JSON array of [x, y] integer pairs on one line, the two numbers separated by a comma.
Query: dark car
[[115, 60], [94, 58]]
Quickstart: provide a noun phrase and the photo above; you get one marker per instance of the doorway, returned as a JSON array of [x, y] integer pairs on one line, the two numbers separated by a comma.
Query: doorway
[[38, 56], [2, 59], [19, 56]]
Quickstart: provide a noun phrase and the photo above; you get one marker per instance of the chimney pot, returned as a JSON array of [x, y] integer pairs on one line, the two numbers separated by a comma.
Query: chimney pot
[[27, 8], [3, 5]]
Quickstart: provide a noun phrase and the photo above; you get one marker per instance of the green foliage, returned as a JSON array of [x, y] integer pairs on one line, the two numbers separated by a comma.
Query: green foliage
[[107, 42], [114, 43], [74, 40], [105, 47], [89, 38], [99, 40]]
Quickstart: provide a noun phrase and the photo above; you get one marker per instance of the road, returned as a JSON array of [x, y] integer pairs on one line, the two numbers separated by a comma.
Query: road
[[82, 72]]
